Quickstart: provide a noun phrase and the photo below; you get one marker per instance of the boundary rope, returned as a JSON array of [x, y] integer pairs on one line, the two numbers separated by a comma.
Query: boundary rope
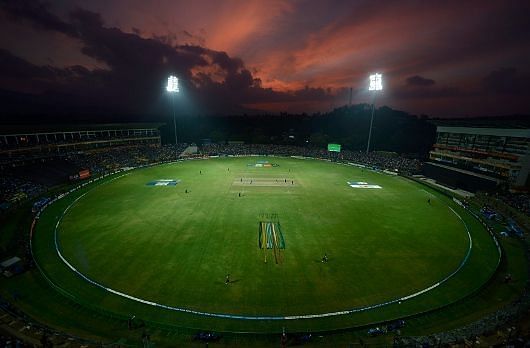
[[250, 317]]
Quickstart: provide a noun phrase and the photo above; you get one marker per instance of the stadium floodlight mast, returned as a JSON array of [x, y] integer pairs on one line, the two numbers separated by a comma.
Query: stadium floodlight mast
[[376, 84], [173, 88]]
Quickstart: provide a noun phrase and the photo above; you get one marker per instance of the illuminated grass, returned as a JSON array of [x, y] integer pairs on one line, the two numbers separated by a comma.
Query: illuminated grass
[[175, 248]]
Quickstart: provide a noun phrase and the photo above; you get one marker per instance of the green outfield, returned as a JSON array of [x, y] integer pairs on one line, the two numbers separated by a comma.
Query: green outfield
[[163, 239]]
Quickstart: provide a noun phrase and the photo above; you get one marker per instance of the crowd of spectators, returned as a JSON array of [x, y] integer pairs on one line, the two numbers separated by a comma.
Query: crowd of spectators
[[518, 201], [14, 189], [254, 149], [12, 342], [385, 161], [103, 161], [381, 160], [31, 333], [18, 183]]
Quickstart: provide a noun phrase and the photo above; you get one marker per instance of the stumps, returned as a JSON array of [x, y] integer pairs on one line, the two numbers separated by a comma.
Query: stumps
[[270, 236]]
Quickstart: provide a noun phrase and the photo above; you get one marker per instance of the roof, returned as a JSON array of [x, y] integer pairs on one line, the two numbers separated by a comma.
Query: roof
[[463, 171], [509, 121], [10, 262], [52, 128], [501, 132]]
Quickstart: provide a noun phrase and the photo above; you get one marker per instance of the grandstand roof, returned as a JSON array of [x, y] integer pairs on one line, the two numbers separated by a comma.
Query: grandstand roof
[[468, 172], [501, 132], [513, 121], [52, 128]]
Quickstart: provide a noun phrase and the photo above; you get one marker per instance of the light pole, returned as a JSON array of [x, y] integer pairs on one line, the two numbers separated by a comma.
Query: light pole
[[173, 88], [376, 84]]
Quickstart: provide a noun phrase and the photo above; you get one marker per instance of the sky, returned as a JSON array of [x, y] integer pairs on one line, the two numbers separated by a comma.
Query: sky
[[439, 58]]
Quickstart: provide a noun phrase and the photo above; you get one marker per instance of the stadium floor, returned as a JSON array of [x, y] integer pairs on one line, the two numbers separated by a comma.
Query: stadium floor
[[173, 245]]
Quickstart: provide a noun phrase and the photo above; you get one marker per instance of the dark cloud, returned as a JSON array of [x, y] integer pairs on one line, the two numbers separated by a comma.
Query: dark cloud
[[495, 27], [419, 87], [506, 81], [38, 13], [23, 76], [136, 66], [419, 81], [15, 67], [125, 71], [408, 93], [313, 94]]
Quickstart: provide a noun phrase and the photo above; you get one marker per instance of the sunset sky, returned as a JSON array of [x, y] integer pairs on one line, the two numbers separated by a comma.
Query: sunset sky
[[440, 58]]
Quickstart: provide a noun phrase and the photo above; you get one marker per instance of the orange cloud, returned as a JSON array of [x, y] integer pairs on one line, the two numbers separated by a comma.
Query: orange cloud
[[237, 24], [393, 39]]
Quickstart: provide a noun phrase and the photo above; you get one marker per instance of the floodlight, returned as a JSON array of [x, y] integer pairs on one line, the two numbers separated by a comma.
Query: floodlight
[[173, 88], [376, 82], [172, 84]]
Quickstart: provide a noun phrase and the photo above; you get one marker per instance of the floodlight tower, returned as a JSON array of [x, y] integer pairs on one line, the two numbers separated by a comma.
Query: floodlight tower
[[376, 84], [173, 88]]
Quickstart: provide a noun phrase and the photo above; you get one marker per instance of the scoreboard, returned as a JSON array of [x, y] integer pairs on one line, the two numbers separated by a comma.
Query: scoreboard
[[334, 147]]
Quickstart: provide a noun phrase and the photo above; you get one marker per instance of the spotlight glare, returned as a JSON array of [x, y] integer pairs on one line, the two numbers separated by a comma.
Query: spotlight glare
[[376, 82], [172, 84]]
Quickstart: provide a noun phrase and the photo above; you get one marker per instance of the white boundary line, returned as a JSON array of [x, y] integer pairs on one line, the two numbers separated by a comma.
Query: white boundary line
[[250, 317], [427, 192]]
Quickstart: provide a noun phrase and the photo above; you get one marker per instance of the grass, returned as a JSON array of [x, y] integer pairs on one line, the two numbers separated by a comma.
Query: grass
[[87, 318], [164, 245]]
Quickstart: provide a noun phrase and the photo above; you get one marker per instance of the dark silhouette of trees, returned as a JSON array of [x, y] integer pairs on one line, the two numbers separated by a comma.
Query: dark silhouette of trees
[[393, 130]]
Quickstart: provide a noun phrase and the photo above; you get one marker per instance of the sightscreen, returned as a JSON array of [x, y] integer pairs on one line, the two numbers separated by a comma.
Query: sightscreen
[[334, 147]]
